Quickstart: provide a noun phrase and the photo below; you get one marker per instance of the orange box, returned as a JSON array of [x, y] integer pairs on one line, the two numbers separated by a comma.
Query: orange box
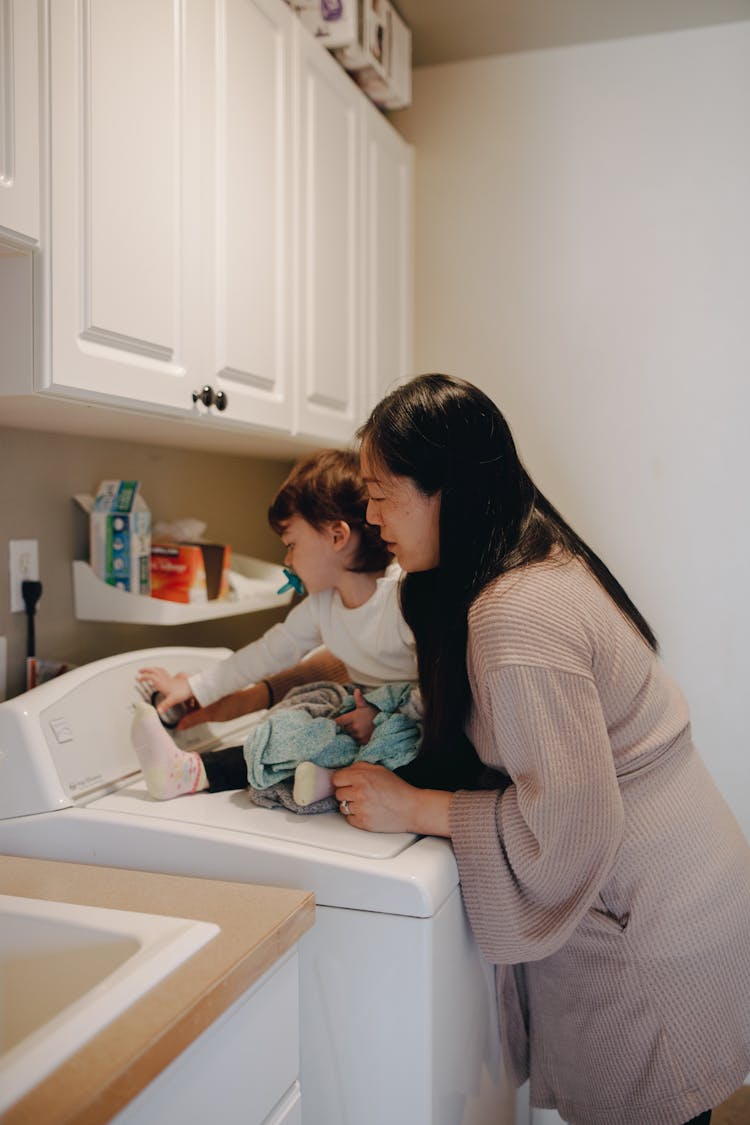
[[190, 572]]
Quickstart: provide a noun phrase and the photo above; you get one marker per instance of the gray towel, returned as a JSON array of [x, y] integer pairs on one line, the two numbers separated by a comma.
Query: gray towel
[[281, 795]]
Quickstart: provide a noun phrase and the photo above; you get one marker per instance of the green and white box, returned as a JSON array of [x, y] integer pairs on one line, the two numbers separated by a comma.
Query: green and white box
[[121, 536]]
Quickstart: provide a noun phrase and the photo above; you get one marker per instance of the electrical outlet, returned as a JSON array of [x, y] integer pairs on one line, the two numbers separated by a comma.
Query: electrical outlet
[[24, 563]]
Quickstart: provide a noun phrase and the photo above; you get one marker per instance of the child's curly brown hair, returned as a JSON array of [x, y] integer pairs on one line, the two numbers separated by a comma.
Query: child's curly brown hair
[[328, 486]]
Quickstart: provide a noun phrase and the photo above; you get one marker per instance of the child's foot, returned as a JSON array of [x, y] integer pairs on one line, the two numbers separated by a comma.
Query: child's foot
[[312, 783], [167, 770]]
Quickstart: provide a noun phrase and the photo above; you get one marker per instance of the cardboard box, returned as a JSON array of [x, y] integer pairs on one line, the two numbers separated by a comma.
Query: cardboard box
[[190, 572], [333, 22], [369, 39], [120, 536], [380, 55]]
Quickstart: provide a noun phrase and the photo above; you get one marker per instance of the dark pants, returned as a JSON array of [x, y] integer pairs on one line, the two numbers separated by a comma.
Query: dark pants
[[701, 1119], [226, 769]]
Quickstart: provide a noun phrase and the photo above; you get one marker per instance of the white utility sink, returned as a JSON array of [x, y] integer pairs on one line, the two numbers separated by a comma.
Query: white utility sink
[[66, 971]]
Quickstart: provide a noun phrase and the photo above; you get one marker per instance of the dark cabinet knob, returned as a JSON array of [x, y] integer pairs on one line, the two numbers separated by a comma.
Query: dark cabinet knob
[[204, 395], [209, 397]]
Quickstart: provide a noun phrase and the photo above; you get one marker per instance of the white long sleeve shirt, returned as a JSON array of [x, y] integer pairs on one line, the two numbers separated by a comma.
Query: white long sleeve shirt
[[372, 640]]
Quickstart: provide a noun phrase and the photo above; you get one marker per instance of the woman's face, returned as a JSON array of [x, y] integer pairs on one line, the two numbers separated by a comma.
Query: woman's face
[[409, 521]]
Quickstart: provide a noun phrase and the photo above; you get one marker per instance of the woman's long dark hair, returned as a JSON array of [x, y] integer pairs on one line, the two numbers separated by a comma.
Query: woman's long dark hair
[[447, 436]]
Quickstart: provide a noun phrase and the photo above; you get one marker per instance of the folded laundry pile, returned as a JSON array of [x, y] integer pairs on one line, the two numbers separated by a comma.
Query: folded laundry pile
[[302, 728]]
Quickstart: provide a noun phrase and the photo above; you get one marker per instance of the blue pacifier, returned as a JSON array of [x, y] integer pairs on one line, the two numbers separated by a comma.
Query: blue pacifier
[[293, 582]]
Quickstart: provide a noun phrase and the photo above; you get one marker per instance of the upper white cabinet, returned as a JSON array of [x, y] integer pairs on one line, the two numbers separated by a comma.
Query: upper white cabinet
[[388, 257], [223, 208], [251, 233], [19, 122], [129, 303], [329, 212]]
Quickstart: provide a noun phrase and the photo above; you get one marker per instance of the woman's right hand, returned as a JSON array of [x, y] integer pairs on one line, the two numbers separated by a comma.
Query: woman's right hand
[[174, 688]]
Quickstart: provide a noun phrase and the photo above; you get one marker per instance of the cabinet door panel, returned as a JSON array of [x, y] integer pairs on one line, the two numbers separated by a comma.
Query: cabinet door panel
[[19, 121], [117, 199], [130, 156], [389, 258], [330, 359], [253, 290]]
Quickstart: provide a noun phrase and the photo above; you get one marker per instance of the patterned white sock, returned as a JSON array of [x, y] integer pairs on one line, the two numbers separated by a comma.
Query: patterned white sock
[[167, 770], [312, 783]]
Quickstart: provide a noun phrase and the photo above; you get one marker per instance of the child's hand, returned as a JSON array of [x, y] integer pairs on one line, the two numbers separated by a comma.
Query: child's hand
[[175, 689], [359, 723]]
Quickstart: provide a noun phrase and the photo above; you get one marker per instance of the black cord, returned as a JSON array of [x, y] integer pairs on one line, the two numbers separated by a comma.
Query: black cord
[[31, 591]]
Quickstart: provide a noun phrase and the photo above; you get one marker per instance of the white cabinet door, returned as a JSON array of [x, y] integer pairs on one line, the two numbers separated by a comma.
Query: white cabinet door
[[127, 317], [388, 258], [329, 214], [19, 121], [253, 216]]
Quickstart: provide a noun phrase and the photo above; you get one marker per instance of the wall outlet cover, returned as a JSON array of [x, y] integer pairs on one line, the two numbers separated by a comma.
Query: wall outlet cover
[[24, 563]]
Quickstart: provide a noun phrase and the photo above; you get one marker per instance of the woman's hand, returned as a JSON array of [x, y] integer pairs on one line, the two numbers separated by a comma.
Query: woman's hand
[[175, 689], [359, 723], [375, 799]]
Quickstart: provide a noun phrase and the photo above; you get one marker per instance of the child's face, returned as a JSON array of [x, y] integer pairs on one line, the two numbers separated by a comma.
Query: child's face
[[311, 553]]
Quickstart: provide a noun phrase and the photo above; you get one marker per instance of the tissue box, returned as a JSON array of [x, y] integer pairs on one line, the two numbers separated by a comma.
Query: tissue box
[[120, 536], [190, 572]]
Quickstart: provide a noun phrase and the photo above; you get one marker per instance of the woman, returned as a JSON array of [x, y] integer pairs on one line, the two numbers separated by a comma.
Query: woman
[[603, 874]]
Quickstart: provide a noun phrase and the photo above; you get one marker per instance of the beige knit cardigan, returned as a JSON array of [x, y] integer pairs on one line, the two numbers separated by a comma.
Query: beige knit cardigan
[[609, 882]]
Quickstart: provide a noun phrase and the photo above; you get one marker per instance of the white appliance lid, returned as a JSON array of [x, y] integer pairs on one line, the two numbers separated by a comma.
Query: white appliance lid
[[234, 812]]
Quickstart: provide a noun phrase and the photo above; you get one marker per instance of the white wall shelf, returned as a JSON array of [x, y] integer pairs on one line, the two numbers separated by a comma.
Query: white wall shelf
[[94, 600]]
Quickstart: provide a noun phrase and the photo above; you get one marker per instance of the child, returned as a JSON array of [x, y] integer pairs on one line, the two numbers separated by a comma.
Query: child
[[352, 608]]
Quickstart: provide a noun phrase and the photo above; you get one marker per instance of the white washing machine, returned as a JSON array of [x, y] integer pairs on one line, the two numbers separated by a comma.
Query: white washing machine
[[398, 1015]]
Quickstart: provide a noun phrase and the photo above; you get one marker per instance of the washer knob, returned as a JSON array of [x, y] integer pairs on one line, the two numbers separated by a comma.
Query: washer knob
[[221, 401]]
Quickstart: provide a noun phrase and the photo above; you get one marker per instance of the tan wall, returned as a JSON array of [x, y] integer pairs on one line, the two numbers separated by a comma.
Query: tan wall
[[40, 473]]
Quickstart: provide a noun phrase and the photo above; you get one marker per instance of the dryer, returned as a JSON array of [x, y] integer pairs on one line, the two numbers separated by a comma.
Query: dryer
[[398, 1011]]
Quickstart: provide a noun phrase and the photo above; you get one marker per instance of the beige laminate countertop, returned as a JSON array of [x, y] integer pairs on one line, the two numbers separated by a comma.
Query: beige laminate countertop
[[258, 925]]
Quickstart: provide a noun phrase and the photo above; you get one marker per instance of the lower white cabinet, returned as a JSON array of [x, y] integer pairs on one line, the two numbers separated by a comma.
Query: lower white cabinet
[[243, 1069], [226, 232]]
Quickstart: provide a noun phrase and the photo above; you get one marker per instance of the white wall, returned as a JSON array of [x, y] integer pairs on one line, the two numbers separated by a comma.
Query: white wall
[[583, 253]]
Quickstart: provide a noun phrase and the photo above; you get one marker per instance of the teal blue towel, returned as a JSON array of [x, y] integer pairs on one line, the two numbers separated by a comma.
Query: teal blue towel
[[291, 735]]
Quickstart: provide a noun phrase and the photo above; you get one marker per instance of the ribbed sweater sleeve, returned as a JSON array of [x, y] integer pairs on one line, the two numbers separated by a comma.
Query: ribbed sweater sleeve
[[544, 643], [532, 859]]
